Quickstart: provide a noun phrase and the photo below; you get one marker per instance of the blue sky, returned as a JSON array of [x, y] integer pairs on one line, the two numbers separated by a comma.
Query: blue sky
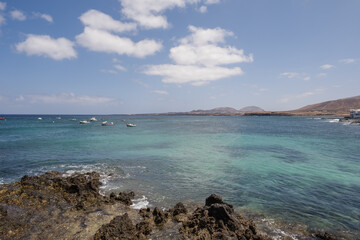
[[147, 56]]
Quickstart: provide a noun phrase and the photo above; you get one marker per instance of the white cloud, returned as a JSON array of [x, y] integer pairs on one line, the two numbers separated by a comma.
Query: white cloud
[[18, 15], [290, 75], [2, 6], [148, 13], [120, 67], [196, 75], [212, 1], [199, 57], [161, 92], [44, 45], [103, 41], [44, 16], [98, 20], [65, 98], [203, 9], [307, 78], [327, 66], [322, 75], [347, 60]]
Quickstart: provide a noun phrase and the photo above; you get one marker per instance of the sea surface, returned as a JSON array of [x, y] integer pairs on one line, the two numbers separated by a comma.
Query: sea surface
[[292, 174]]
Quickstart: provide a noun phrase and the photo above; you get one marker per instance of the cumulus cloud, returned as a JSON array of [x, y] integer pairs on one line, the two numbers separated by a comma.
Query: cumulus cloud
[[199, 58], [65, 98], [103, 41], [18, 15], [98, 20], [203, 9], [148, 13], [212, 1], [327, 66], [290, 75], [44, 45], [44, 16], [347, 60], [2, 6]]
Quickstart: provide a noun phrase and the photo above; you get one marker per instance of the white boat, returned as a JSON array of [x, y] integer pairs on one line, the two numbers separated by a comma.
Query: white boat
[[73, 119], [93, 119], [84, 122], [58, 118], [105, 123], [130, 125], [39, 118]]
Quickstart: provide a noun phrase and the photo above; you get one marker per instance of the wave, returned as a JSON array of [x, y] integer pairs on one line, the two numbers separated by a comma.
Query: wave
[[140, 203]]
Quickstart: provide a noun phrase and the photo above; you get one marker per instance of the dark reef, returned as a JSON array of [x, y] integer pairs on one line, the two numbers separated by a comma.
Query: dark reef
[[54, 206]]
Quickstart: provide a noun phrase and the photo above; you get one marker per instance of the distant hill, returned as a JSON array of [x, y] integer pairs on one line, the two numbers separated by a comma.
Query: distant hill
[[251, 109], [219, 110], [339, 106]]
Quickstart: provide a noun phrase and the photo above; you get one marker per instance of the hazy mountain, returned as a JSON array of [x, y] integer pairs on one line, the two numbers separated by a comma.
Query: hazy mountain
[[341, 105], [219, 110], [251, 109]]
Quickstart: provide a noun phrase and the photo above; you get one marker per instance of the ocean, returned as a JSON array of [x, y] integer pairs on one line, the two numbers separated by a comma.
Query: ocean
[[291, 174]]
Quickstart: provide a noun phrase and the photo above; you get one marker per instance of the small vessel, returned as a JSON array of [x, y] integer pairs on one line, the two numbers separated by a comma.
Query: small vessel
[[39, 118], [130, 125], [105, 123], [84, 122], [73, 119], [58, 117], [93, 119], [1, 118]]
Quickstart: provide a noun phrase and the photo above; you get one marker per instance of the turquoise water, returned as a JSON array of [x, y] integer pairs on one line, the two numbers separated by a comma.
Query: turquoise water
[[298, 170]]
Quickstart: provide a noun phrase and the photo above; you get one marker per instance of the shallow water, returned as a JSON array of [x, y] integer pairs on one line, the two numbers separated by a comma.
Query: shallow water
[[299, 170]]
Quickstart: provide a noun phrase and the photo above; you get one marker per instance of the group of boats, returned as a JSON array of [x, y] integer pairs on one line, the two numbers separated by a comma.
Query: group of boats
[[104, 123]]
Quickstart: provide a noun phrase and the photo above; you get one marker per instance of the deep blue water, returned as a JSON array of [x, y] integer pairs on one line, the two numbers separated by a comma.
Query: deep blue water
[[299, 170]]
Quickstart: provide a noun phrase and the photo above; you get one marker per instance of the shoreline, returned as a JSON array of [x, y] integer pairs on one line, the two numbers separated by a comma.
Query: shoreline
[[71, 207]]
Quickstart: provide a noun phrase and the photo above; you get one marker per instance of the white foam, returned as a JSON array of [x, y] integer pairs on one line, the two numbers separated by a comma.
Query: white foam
[[334, 120], [140, 203]]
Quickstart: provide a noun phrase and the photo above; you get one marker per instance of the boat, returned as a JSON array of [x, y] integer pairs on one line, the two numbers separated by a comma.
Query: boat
[[73, 119], [130, 125], [58, 117], [105, 123], [39, 118], [84, 122], [1, 118], [93, 119]]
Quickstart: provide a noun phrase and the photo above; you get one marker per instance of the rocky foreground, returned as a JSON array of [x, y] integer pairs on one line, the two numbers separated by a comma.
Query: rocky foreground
[[53, 206]]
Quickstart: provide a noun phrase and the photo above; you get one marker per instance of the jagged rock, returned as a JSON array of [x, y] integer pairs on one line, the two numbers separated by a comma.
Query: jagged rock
[[121, 227], [159, 216], [125, 197], [179, 208], [217, 220], [325, 236], [144, 228], [145, 213]]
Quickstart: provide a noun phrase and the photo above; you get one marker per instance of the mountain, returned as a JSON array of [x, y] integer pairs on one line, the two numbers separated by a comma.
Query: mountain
[[251, 109], [219, 110], [339, 106]]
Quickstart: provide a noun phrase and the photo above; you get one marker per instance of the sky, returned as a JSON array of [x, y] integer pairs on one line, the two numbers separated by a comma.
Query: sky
[[154, 56]]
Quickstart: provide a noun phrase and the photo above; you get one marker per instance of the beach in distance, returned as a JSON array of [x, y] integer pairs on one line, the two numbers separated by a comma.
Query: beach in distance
[[294, 177]]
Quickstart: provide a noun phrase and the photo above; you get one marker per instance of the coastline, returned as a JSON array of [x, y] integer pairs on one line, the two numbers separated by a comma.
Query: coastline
[[57, 206]]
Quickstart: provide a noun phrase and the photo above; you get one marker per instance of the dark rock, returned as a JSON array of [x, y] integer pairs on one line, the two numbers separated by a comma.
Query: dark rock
[[213, 198], [145, 213], [325, 236], [125, 197], [159, 216], [179, 208], [144, 228], [121, 227], [217, 220]]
